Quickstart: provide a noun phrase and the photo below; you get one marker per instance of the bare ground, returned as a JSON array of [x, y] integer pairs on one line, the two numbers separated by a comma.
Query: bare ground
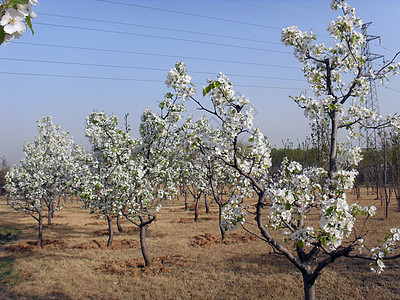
[[190, 261]]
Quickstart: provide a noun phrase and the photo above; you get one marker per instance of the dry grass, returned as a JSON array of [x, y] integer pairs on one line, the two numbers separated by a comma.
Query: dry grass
[[190, 261]]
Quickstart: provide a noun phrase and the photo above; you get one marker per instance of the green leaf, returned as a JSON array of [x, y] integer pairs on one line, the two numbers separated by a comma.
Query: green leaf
[[323, 240], [20, 1], [217, 84], [386, 238], [331, 106], [300, 244], [288, 206], [332, 239], [329, 210], [2, 35], [207, 89]]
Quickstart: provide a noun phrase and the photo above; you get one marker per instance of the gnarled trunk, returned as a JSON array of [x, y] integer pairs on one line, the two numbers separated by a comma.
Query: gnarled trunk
[[40, 229], [143, 246], [333, 146], [206, 204], [119, 224], [196, 209], [110, 231], [221, 228], [49, 213], [186, 198], [309, 287]]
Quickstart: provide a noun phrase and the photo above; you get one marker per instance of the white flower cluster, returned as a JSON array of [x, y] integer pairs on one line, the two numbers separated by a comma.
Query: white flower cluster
[[388, 247], [259, 152], [127, 176], [302, 236], [234, 109], [180, 81], [341, 181], [343, 28], [335, 4], [291, 194], [337, 220], [233, 213], [296, 190], [15, 17], [46, 171], [348, 156], [394, 122], [283, 205], [314, 108], [342, 62]]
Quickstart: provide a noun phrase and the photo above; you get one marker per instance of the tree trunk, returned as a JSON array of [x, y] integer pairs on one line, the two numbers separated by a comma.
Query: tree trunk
[[196, 209], [186, 197], [52, 209], [333, 149], [309, 288], [221, 228], [49, 213], [40, 229], [119, 224], [143, 247], [206, 204], [110, 231]]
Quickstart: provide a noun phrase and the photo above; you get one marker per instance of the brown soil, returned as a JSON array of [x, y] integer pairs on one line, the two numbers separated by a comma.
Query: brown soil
[[191, 220], [116, 244], [125, 230], [96, 223], [192, 207], [74, 262], [135, 267], [209, 239], [32, 245]]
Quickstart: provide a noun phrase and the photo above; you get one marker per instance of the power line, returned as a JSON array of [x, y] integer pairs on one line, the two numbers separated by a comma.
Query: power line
[[190, 14], [154, 54], [161, 37], [161, 28], [392, 89], [251, 4], [389, 103], [137, 68], [131, 79]]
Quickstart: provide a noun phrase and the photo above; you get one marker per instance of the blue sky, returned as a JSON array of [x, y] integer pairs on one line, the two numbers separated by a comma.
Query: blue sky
[[114, 56]]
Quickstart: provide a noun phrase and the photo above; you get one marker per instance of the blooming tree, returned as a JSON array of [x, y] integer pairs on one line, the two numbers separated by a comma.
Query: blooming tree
[[129, 177], [104, 178], [4, 168], [154, 170], [193, 164], [339, 83], [15, 17], [44, 174], [207, 174]]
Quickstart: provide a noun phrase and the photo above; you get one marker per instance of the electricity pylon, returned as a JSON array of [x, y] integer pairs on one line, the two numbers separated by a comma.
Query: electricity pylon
[[370, 136]]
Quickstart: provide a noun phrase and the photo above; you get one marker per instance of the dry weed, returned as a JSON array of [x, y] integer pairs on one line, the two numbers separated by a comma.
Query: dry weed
[[75, 265]]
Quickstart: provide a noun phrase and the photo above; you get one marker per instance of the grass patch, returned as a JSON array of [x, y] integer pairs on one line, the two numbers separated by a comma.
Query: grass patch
[[189, 260], [7, 276], [8, 234]]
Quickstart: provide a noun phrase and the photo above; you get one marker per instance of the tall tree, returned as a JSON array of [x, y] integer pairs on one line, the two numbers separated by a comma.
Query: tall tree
[[4, 168], [336, 76], [104, 178], [44, 174]]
